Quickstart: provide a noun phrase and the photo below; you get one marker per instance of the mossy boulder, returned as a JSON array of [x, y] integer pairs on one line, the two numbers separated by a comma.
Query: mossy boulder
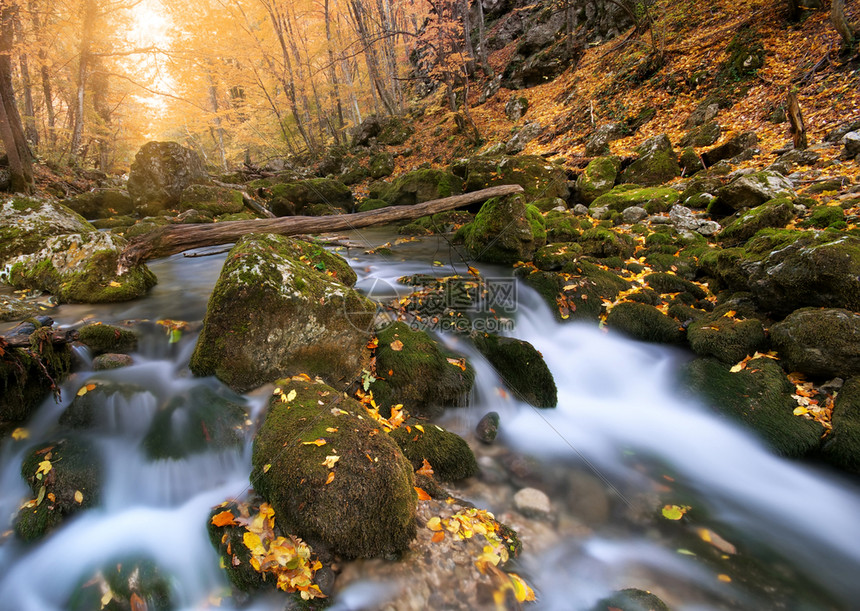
[[101, 203], [273, 312], [601, 242], [81, 268], [106, 362], [419, 374], [134, 583], [381, 165], [211, 198], [554, 257], [290, 198], [25, 224], [755, 189], [197, 420], [563, 226], [727, 339], [368, 508], [115, 223], [644, 322], [735, 145], [27, 375], [234, 555], [657, 163], [598, 178], [159, 174], [521, 368], [663, 283], [65, 477], [775, 213], [372, 204], [703, 135], [653, 199], [824, 216], [448, 454], [820, 342], [842, 446], [417, 187], [145, 225], [505, 230], [759, 397], [109, 406], [101, 338], [534, 174]]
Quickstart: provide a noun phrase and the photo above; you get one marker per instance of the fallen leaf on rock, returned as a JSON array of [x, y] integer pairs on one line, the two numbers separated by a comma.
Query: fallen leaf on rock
[[20, 433], [79, 497], [315, 442], [425, 469], [225, 518], [330, 477], [330, 461], [675, 512], [422, 496], [396, 345]]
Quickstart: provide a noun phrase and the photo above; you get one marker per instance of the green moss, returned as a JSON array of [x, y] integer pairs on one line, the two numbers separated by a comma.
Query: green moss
[[598, 178], [538, 178], [759, 397], [555, 256], [229, 542], [653, 199], [671, 283], [726, 339], [106, 338], [27, 377], [773, 214], [450, 456], [599, 242], [824, 216], [506, 230], [521, 368], [368, 508], [134, 583], [842, 446], [418, 375], [419, 186], [562, 227], [89, 411], [645, 323], [371, 204]]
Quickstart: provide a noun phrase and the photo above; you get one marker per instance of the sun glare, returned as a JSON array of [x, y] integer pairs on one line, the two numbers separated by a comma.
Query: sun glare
[[149, 28]]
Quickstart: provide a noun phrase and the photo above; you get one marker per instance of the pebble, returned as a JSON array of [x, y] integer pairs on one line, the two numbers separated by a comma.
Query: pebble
[[531, 502], [488, 427]]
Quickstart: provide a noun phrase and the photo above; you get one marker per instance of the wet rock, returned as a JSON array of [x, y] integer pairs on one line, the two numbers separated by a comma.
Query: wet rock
[[488, 427], [842, 446], [134, 583], [505, 230], [367, 508], [755, 189], [105, 362], [274, 311], [419, 374], [101, 339], [776, 213], [81, 268], [726, 339], [759, 397], [657, 163], [644, 322], [587, 498], [64, 480], [598, 178], [521, 368], [448, 454], [159, 174], [25, 223], [823, 343], [631, 599], [108, 406], [533, 503]]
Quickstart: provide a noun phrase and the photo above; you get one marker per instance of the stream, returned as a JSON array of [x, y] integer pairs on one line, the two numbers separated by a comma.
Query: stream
[[761, 532]]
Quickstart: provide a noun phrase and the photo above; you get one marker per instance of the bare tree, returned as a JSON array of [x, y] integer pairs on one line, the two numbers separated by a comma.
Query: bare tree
[[11, 129]]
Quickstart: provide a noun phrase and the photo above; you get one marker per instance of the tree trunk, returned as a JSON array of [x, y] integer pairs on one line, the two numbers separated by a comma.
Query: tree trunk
[[47, 90], [81, 83], [172, 239], [216, 120], [795, 119], [482, 42], [30, 130], [334, 96], [840, 22], [11, 129]]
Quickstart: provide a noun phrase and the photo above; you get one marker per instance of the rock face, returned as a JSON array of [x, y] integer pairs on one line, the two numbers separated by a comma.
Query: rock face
[[272, 314], [506, 230], [820, 342], [101, 203], [26, 222], [352, 490], [81, 268], [755, 189], [159, 174], [518, 142]]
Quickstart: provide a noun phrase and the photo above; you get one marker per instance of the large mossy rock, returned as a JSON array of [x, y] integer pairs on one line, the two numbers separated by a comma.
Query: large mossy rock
[[70, 482], [101, 203], [273, 314], [159, 174], [521, 368], [755, 189], [653, 199], [823, 343], [25, 224], [109, 406], [81, 268], [601, 243], [448, 454], [775, 214], [728, 339], [657, 163], [598, 178], [842, 446], [198, 420], [759, 397], [303, 196], [211, 198], [417, 372], [505, 230], [644, 322], [417, 187], [102, 339], [368, 507], [539, 178]]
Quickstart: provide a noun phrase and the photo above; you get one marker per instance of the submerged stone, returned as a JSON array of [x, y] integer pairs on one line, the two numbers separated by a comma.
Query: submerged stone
[[134, 583], [521, 368], [101, 339]]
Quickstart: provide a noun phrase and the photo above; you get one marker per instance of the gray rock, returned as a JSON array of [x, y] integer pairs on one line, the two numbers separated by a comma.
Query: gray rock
[[516, 107], [598, 144], [488, 428], [580, 210], [732, 147], [160, 172], [600, 213], [532, 503], [708, 228], [529, 132], [634, 214], [755, 189], [819, 342], [851, 140], [682, 218]]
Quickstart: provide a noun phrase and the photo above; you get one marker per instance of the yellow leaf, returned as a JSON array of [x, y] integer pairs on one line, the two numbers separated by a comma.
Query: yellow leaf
[[225, 518], [799, 411], [675, 512], [315, 442], [330, 461], [331, 429], [330, 477], [45, 467], [730, 314], [724, 578], [291, 395], [52, 497], [461, 363], [419, 427], [252, 542], [522, 591], [114, 284], [106, 598], [266, 467], [425, 469], [434, 523], [396, 345], [739, 367], [82, 391], [20, 433]]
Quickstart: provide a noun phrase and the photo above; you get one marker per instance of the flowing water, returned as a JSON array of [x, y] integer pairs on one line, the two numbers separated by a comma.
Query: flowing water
[[622, 442]]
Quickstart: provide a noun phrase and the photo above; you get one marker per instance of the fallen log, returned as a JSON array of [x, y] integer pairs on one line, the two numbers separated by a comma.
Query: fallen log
[[172, 239], [247, 199]]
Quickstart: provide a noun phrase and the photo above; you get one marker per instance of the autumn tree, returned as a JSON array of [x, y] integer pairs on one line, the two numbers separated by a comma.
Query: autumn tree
[[11, 129]]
